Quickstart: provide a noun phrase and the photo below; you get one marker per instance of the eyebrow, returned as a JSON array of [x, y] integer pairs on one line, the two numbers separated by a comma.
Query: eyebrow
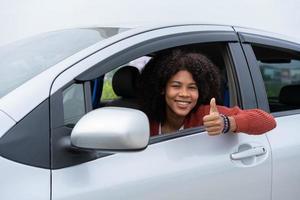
[[178, 82]]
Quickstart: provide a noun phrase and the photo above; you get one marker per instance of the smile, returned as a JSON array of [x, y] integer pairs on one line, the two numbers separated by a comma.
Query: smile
[[183, 103]]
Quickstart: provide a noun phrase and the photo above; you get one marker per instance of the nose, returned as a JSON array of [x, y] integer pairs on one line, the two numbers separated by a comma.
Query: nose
[[184, 92]]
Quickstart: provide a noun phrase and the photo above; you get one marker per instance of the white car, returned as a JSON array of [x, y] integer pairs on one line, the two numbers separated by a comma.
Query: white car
[[64, 136]]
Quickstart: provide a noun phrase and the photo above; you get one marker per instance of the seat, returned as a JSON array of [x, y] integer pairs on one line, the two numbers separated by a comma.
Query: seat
[[124, 83], [288, 99], [290, 95]]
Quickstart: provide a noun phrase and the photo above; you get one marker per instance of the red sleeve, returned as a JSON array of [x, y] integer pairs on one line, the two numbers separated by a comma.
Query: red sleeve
[[251, 121], [154, 127]]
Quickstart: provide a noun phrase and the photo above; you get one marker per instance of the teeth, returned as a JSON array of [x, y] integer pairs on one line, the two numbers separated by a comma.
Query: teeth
[[182, 102]]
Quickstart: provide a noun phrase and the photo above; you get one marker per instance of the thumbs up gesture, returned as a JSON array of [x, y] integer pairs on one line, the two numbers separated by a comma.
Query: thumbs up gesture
[[213, 122]]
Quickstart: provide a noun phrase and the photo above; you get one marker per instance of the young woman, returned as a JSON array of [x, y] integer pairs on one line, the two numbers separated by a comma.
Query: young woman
[[178, 90]]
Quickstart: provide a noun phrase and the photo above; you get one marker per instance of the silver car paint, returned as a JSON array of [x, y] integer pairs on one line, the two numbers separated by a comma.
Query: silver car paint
[[20, 181], [171, 170], [285, 145]]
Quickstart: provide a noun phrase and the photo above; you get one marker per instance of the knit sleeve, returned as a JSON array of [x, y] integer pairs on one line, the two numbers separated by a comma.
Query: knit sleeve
[[154, 127], [251, 121]]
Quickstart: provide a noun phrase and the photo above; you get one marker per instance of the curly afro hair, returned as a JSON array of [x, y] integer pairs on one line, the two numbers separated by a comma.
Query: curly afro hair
[[160, 69]]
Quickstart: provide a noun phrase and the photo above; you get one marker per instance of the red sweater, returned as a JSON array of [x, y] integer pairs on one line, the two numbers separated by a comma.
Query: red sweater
[[252, 121]]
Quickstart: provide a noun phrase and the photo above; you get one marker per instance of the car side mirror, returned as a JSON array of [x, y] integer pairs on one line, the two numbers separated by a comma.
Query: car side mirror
[[112, 128]]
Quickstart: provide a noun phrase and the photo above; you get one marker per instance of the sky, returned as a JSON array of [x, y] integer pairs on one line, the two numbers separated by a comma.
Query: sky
[[20, 19]]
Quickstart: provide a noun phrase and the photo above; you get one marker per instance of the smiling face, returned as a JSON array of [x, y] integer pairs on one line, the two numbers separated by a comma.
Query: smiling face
[[181, 94]]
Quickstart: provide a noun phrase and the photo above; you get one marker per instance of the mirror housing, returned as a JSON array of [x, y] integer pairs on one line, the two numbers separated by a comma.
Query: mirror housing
[[112, 128]]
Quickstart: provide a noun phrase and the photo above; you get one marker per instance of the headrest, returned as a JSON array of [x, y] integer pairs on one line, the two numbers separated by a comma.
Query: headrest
[[290, 95], [124, 81]]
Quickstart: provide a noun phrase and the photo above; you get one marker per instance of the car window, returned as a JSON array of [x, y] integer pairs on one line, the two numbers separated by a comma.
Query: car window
[[73, 104], [281, 74]]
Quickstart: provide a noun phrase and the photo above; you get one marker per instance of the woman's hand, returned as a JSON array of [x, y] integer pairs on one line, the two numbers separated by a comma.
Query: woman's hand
[[213, 122]]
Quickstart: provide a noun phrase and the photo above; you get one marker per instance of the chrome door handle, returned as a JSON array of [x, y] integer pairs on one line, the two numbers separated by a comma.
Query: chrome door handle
[[254, 151]]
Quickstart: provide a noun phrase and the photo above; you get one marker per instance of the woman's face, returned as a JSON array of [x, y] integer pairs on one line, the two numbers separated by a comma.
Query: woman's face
[[181, 93]]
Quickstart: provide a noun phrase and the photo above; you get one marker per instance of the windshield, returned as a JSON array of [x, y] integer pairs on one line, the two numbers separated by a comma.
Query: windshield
[[22, 60]]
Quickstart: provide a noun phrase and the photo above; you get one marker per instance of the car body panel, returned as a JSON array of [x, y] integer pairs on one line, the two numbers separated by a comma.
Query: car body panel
[[170, 170], [20, 181], [285, 146]]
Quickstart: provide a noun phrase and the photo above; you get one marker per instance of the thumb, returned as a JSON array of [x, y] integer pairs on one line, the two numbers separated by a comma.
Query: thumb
[[213, 106]]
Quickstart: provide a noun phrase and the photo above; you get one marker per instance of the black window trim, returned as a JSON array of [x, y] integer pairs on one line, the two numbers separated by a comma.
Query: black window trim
[[28, 141], [257, 79], [177, 134], [268, 41], [243, 83]]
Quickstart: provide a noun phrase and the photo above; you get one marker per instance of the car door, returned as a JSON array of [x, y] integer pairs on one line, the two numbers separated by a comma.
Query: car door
[[275, 68], [185, 165]]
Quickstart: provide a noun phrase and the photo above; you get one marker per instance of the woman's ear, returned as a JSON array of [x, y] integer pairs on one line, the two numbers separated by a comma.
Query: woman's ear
[[162, 92]]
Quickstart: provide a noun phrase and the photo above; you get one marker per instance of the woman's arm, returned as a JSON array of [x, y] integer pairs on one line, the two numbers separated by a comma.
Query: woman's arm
[[251, 121]]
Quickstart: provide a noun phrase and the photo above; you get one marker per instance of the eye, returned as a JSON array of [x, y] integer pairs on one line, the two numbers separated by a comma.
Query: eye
[[175, 86], [193, 87]]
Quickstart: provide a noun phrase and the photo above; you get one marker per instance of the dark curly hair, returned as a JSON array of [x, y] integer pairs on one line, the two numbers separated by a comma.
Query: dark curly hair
[[163, 66]]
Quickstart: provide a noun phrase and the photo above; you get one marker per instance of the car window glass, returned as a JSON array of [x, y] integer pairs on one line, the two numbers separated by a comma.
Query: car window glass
[[73, 104], [281, 74], [22, 60]]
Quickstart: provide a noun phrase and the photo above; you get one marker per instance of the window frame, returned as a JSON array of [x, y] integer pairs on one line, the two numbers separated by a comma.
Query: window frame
[[231, 55]]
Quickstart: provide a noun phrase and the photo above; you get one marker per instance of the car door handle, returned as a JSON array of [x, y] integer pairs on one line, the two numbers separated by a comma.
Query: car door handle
[[254, 151]]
